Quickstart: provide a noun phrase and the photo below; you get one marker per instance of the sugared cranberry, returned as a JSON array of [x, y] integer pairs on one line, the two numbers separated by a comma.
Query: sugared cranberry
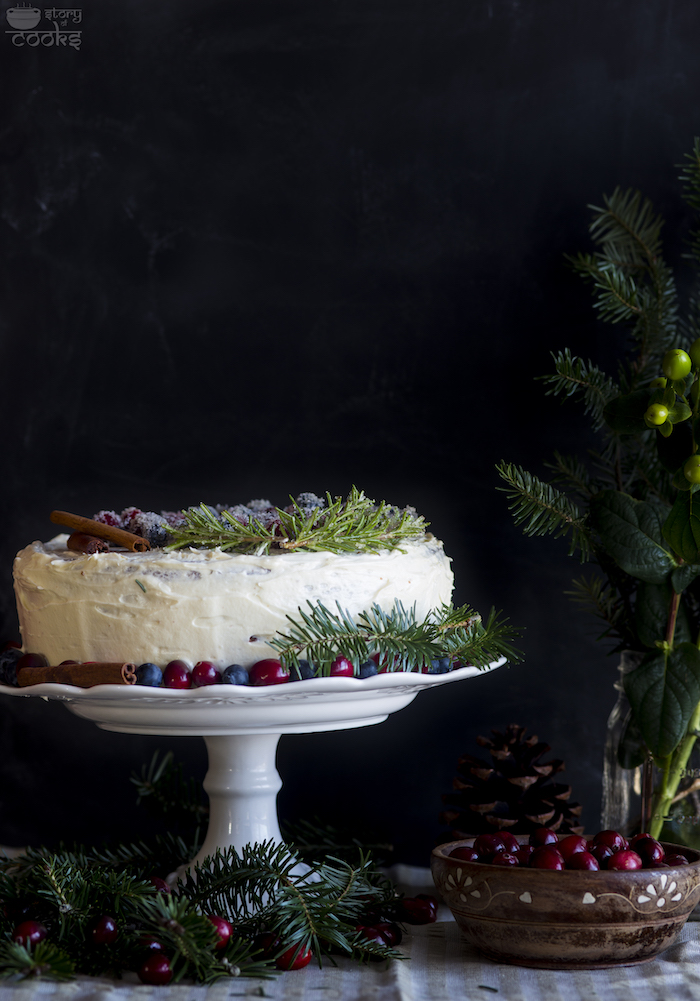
[[570, 845], [419, 910], [583, 860], [105, 931], [488, 844], [465, 854], [177, 675], [156, 970], [224, 930], [675, 860], [543, 836], [613, 839], [546, 857], [504, 858], [205, 673], [650, 851], [624, 860], [268, 672], [29, 933], [293, 958], [342, 668]]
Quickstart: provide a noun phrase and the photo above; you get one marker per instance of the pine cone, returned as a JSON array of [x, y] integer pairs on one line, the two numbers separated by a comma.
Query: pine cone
[[512, 792]]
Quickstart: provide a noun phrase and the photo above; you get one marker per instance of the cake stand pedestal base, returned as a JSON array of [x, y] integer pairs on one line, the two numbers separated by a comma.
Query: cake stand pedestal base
[[242, 784]]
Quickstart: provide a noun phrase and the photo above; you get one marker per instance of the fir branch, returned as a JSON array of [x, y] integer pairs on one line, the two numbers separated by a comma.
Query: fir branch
[[544, 510], [313, 838], [401, 641], [353, 524], [45, 960], [595, 595], [163, 788], [574, 376], [569, 469], [690, 177], [627, 227]]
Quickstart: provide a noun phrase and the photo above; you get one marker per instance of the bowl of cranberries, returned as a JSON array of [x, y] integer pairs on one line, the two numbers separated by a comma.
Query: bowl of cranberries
[[566, 902]]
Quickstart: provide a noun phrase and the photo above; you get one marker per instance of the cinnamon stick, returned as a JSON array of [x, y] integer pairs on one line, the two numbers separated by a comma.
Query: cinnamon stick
[[118, 536], [81, 675], [80, 542]]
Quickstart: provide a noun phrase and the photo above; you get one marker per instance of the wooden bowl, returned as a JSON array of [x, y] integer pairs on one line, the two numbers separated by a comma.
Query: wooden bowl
[[570, 919]]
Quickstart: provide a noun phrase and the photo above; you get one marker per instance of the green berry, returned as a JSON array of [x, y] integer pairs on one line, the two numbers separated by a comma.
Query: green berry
[[691, 469], [694, 352], [676, 364], [656, 414], [659, 383]]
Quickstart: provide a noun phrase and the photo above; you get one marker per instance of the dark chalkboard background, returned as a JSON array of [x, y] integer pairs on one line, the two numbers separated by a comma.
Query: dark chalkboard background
[[254, 247]]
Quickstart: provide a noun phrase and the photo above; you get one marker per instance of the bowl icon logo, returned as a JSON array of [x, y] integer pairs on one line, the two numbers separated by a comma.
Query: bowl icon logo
[[23, 18]]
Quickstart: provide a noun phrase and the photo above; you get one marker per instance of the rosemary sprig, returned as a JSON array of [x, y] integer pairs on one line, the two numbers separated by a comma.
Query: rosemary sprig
[[403, 642], [344, 525]]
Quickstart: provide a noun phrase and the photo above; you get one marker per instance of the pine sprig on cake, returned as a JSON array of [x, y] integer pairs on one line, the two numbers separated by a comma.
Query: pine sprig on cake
[[397, 638], [337, 525]]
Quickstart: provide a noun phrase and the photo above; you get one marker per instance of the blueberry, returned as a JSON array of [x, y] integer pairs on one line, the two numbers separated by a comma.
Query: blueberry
[[8, 665], [368, 669], [234, 674], [149, 674], [303, 672], [441, 666]]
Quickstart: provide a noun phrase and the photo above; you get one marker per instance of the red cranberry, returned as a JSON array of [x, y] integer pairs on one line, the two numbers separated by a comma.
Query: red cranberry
[[523, 854], [205, 673], [675, 859], [371, 934], [29, 933], [289, 960], [266, 944], [268, 672], [105, 931], [543, 836], [613, 839], [546, 857], [419, 910], [504, 858], [650, 851], [150, 944], [571, 845], [488, 844], [156, 970], [160, 884], [465, 854], [583, 860], [633, 842], [177, 675], [624, 860], [602, 853], [390, 932], [31, 660], [511, 842], [342, 668], [224, 929]]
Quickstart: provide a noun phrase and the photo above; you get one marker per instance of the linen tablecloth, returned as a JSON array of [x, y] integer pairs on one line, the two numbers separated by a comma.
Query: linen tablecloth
[[440, 967]]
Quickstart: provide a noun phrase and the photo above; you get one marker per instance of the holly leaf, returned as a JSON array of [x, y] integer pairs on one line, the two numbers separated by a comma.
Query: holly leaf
[[663, 693], [625, 414], [682, 527], [651, 615], [630, 532]]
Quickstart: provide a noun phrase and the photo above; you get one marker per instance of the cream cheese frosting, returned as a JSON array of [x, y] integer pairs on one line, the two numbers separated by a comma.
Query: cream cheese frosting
[[204, 604]]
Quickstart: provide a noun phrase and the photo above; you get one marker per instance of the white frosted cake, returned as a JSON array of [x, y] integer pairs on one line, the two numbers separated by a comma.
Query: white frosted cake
[[200, 604]]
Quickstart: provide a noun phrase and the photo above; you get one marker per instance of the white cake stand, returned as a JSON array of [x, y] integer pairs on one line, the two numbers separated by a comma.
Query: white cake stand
[[241, 727]]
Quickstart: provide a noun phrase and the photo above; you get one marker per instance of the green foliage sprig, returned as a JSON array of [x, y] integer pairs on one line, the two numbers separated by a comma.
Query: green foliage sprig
[[344, 525], [633, 507], [402, 641]]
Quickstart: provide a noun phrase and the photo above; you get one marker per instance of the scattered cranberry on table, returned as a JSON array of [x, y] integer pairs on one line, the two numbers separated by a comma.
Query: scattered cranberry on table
[[29, 933], [289, 960], [418, 910], [105, 931], [156, 971], [224, 930]]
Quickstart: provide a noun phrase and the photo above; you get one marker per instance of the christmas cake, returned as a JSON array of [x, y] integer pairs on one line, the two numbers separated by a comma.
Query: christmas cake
[[216, 583]]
